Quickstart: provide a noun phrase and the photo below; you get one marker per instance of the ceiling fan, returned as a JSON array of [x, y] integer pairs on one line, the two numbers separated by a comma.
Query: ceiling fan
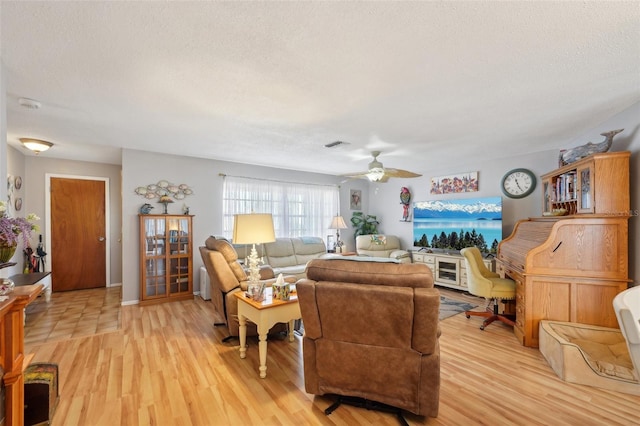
[[377, 172]]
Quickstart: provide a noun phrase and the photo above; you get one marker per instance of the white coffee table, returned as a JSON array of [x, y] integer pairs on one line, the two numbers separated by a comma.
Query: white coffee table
[[265, 314]]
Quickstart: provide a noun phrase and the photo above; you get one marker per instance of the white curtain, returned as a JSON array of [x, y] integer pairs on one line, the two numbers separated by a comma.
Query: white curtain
[[298, 209]]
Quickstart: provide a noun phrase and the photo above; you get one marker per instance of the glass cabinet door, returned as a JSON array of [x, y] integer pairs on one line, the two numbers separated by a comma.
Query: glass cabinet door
[[585, 194], [546, 196], [179, 240], [155, 281]]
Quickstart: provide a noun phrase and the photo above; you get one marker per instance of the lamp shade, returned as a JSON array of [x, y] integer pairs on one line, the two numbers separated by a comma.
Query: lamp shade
[[253, 228], [337, 223]]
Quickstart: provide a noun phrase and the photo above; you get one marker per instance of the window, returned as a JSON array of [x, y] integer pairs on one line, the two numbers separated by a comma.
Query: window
[[298, 209]]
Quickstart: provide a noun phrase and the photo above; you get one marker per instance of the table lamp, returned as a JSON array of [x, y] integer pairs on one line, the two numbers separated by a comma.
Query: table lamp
[[254, 228], [165, 199], [337, 223]]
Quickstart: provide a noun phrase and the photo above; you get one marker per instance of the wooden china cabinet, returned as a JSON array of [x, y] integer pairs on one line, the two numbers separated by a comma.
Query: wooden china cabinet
[[166, 258]]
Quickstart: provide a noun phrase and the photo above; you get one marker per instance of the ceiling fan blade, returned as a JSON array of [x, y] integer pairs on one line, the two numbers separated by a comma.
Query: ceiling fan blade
[[357, 175], [399, 173], [377, 172]]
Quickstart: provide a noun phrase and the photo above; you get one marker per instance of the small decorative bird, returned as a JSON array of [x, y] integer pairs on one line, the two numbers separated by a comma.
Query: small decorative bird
[[405, 200], [146, 208]]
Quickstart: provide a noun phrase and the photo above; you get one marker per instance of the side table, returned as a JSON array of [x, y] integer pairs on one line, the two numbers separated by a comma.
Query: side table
[[265, 314]]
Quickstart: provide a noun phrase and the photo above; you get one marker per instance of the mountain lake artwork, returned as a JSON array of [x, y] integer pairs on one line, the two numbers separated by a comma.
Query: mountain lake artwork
[[456, 224]]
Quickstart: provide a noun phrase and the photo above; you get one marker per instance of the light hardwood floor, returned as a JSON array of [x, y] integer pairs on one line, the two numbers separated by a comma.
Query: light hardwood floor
[[73, 314], [167, 365]]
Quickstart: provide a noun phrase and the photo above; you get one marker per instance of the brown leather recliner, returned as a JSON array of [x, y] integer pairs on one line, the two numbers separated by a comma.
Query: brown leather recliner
[[226, 276], [371, 332]]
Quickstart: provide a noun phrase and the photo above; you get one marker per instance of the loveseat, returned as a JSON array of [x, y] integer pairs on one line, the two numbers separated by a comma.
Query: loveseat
[[371, 332], [381, 246], [288, 256]]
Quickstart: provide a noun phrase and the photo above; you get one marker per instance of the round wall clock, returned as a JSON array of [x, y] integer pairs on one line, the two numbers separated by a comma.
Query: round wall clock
[[518, 183]]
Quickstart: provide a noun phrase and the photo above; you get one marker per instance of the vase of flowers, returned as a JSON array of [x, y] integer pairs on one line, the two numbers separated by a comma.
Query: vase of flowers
[[12, 229]]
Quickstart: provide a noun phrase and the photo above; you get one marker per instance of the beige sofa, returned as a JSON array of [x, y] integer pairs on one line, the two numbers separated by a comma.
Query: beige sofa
[[288, 256], [381, 246]]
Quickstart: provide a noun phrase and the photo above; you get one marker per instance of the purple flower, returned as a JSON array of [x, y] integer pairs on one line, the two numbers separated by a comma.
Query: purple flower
[[13, 228]]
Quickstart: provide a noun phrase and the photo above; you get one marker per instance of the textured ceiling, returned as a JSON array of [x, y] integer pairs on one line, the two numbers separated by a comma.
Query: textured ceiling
[[271, 83]]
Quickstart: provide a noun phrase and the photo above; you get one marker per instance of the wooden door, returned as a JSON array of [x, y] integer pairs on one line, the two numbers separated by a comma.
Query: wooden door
[[78, 234]]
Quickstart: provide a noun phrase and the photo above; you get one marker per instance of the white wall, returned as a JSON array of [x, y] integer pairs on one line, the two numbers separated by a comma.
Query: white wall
[[3, 128], [16, 167], [384, 199], [36, 168], [629, 140], [140, 168]]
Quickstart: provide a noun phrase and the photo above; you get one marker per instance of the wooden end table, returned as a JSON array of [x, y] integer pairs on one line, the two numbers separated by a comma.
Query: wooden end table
[[265, 314]]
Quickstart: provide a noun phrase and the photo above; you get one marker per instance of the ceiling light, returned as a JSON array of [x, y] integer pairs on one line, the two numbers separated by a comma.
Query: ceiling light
[[375, 174], [29, 103], [36, 145]]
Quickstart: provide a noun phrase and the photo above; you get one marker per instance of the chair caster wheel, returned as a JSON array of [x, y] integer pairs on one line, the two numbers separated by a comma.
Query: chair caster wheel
[[482, 327], [468, 316]]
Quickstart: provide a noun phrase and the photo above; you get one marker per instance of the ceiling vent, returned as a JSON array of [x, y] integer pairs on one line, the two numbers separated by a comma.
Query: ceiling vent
[[29, 103], [335, 144]]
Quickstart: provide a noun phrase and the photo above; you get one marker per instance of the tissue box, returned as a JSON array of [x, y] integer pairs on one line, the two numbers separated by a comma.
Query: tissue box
[[281, 291]]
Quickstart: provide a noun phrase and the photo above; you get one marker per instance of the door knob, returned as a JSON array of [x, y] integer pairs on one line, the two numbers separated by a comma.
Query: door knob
[[101, 239]]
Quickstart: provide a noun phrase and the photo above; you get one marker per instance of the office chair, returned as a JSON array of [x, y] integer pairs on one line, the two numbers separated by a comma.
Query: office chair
[[484, 283]]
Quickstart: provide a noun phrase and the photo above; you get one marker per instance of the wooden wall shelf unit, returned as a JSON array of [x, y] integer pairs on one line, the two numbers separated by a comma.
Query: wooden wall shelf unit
[[569, 268], [598, 184], [166, 258], [449, 270]]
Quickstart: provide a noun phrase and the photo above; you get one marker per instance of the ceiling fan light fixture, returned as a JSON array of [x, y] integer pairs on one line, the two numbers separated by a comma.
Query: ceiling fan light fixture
[[375, 174], [36, 145]]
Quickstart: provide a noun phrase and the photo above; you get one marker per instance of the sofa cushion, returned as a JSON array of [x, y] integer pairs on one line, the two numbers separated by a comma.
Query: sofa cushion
[[280, 253], [244, 250], [308, 248], [376, 273], [294, 270]]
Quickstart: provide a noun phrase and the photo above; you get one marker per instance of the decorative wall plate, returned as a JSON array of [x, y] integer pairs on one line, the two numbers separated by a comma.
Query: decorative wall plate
[[164, 188]]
